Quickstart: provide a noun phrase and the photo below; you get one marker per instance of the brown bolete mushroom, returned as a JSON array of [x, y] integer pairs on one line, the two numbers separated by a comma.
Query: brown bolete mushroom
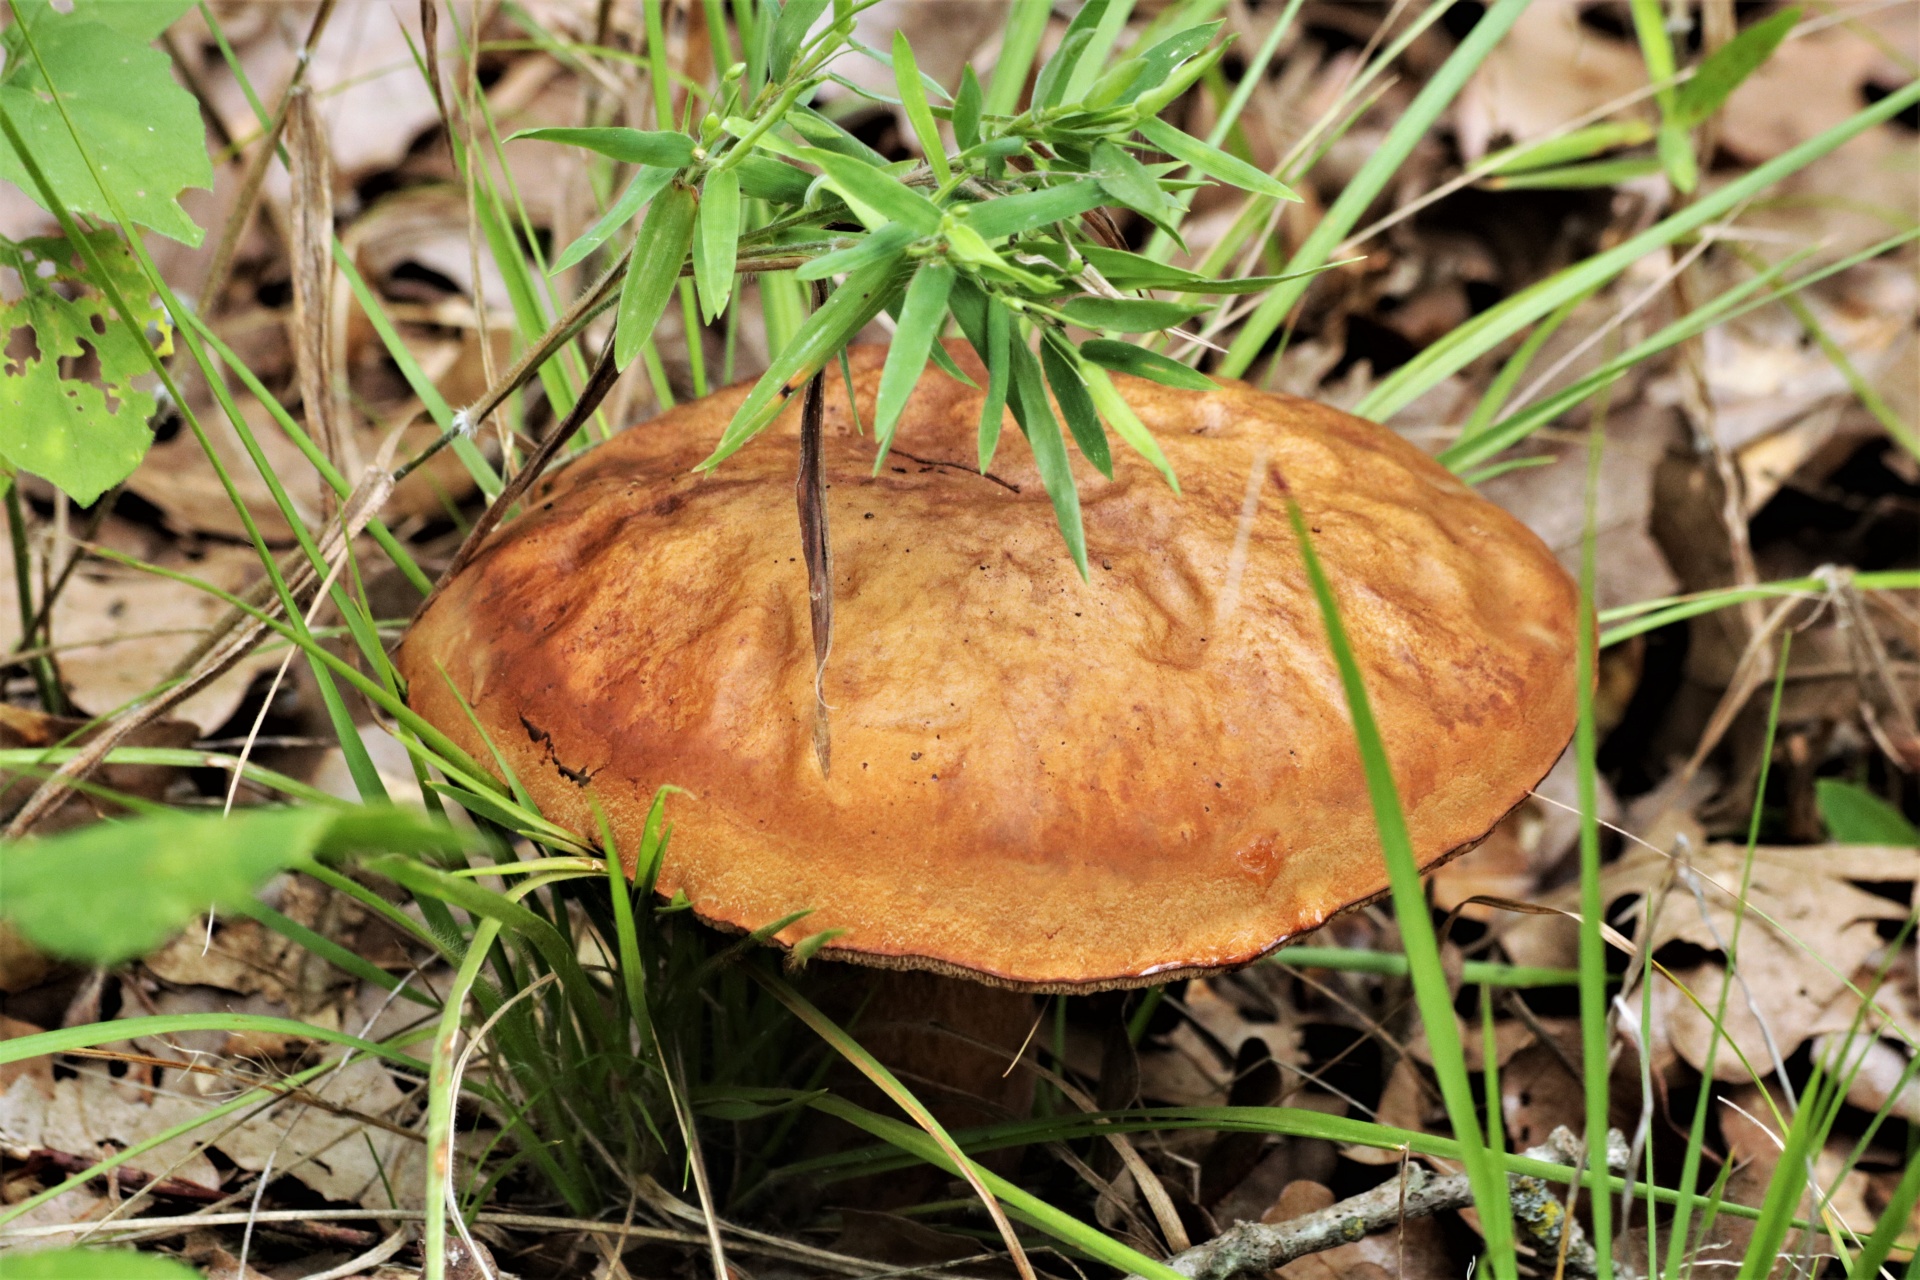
[[1037, 781]]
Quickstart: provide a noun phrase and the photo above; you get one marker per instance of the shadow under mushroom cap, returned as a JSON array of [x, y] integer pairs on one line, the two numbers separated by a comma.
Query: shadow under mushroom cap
[[1037, 781]]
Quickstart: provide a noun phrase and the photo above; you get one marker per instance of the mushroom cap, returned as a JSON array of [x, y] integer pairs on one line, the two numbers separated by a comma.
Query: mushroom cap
[[1037, 781]]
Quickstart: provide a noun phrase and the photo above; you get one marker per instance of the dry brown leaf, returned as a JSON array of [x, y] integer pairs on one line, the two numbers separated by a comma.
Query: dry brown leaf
[[23, 728], [1549, 70]]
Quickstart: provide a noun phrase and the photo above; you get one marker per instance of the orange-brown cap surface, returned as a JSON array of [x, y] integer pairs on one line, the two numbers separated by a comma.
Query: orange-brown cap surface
[[1036, 780]]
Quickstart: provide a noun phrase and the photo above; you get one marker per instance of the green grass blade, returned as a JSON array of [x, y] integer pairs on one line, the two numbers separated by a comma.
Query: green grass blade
[[921, 317], [1431, 995], [1380, 169]]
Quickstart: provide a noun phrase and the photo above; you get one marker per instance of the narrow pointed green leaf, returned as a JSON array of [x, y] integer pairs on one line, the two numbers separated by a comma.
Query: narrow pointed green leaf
[[966, 110], [938, 354], [645, 185], [1576, 177], [1120, 416], [873, 193], [920, 319], [824, 332], [887, 241], [1028, 397], [716, 246], [913, 100], [1854, 815], [1128, 182], [629, 146], [659, 251], [796, 18], [764, 178], [1076, 406], [1581, 144], [1727, 68], [1011, 215], [1129, 270], [999, 362], [1073, 45], [1214, 162], [828, 135], [1128, 315], [1125, 357], [1157, 63]]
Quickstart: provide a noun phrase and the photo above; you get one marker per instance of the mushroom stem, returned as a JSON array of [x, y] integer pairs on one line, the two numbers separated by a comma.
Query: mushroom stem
[[810, 491]]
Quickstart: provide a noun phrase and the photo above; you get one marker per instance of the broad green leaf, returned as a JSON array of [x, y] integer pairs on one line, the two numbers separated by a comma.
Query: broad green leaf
[[1727, 67], [145, 878], [659, 250], [920, 318], [966, 109], [143, 130], [1214, 162], [873, 193], [143, 20], [796, 18], [888, 241], [1076, 405], [1010, 215], [629, 146], [826, 331], [999, 362], [1125, 357], [1128, 315], [1854, 815], [1120, 416], [1073, 44], [1124, 178], [716, 244], [84, 435], [764, 178], [1028, 399], [96, 1264], [913, 100], [646, 184]]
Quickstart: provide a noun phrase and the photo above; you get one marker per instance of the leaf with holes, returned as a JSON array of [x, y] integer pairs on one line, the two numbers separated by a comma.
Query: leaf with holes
[[70, 411], [140, 128]]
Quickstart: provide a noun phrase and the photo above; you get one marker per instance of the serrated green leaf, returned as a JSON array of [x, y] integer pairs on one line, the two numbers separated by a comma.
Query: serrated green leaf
[[1128, 315], [1010, 215], [1125, 357], [1214, 162], [998, 325], [884, 242], [148, 877], [645, 185], [913, 100], [82, 435], [659, 251], [826, 331], [1028, 399], [141, 128], [1120, 416], [967, 109], [1076, 405], [96, 1264], [1854, 815], [1124, 178], [716, 243], [921, 315], [1727, 68], [629, 146]]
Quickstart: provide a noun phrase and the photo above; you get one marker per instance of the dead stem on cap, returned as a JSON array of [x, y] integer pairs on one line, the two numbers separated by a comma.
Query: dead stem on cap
[[810, 491]]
